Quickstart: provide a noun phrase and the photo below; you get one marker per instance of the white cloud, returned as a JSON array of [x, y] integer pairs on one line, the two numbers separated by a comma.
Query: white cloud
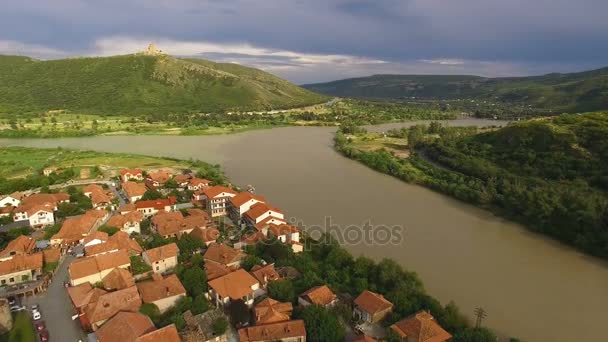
[[443, 61], [11, 47]]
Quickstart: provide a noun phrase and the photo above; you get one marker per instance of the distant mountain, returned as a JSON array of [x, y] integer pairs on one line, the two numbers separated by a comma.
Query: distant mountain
[[142, 84], [575, 92]]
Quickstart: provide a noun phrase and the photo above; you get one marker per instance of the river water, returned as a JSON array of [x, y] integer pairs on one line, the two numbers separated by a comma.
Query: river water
[[531, 287]]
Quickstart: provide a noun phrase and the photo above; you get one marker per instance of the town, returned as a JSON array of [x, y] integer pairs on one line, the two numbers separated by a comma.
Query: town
[[168, 255]]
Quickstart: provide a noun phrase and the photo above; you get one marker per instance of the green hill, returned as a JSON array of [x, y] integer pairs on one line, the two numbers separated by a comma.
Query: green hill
[[142, 84], [576, 92]]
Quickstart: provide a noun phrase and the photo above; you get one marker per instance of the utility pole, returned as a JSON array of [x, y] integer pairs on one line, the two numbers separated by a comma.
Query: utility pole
[[480, 313]]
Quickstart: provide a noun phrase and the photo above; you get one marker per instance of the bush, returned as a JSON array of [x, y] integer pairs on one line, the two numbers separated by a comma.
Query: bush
[[138, 266], [150, 310], [220, 325], [200, 305]]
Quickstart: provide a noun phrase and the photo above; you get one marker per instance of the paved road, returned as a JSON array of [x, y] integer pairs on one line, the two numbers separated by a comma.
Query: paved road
[[56, 308]]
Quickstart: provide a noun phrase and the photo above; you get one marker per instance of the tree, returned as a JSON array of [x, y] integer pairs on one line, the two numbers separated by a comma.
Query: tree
[[239, 312], [250, 261], [151, 195], [475, 335], [321, 324], [138, 266], [282, 290], [220, 325], [200, 304], [110, 230], [150, 310], [194, 280], [188, 245]]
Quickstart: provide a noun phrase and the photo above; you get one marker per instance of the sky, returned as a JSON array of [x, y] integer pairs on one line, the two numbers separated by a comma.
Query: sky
[[308, 41]]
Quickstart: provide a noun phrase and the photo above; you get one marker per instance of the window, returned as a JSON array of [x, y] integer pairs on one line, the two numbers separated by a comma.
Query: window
[[157, 268], [3, 281], [12, 280]]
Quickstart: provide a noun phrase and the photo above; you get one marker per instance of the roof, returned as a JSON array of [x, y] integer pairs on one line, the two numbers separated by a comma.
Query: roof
[[421, 327], [283, 229], [265, 274], [131, 171], [159, 176], [180, 179], [223, 254], [83, 267], [98, 194], [84, 294], [125, 327], [31, 209], [372, 302], [109, 304], [123, 241], [156, 289], [134, 189], [273, 332], [253, 238], [235, 285], [20, 263], [37, 199], [96, 235], [166, 334], [74, 229], [205, 234], [198, 181], [320, 295], [260, 209], [170, 223], [214, 191], [20, 245], [243, 197], [272, 311], [118, 279], [125, 208], [7, 209], [162, 252], [119, 221], [215, 270], [158, 204]]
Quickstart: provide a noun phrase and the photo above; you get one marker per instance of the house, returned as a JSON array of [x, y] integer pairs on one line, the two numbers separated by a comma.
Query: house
[[38, 209], [21, 245], [371, 307], [287, 234], [290, 331], [100, 198], [129, 174], [261, 215], [134, 191], [241, 203], [224, 255], [175, 224], [118, 241], [95, 238], [157, 179], [250, 239], [163, 258], [205, 235], [215, 270], [126, 208], [165, 334], [420, 327], [318, 295], [182, 181], [201, 327], [7, 211], [215, 199], [94, 269], [20, 268], [128, 222], [47, 171], [163, 292], [264, 274], [196, 184], [95, 314], [74, 230], [12, 200], [84, 294], [272, 311], [118, 279], [151, 207], [237, 285], [125, 327]]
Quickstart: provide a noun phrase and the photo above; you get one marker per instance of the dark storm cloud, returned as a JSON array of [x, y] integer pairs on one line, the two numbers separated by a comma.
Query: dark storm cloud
[[515, 36]]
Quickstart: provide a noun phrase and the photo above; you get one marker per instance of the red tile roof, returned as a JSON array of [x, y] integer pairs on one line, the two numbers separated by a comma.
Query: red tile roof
[[157, 289], [272, 311], [372, 302], [215, 270], [162, 252], [119, 221], [260, 209], [83, 267], [421, 327], [84, 294], [273, 332], [111, 303], [158, 204], [320, 295], [264, 274], [132, 172], [20, 245], [118, 279], [214, 191], [234, 285], [223, 254], [125, 327], [75, 229], [21, 263], [166, 334], [244, 197], [134, 189]]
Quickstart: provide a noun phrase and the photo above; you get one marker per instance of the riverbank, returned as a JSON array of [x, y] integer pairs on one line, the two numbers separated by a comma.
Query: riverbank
[[460, 252]]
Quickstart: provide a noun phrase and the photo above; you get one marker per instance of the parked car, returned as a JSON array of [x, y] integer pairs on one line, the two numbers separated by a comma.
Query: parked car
[[40, 326], [35, 307], [16, 308], [43, 336], [36, 315]]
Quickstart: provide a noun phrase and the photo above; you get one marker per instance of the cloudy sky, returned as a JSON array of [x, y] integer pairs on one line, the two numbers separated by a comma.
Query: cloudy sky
[[319, 40]]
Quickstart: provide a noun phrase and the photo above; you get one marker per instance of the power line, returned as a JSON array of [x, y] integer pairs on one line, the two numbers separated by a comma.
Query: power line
[[481, 314]]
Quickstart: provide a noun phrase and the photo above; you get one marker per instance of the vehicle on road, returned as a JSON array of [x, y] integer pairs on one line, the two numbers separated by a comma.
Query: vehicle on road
[[35, 307], [40, 326], [16, 308], [36, 315], [43, 336]]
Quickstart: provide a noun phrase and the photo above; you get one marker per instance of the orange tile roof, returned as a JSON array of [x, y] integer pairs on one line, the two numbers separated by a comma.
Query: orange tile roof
[[20, 245], [125, 327], [32, 209], [123, 241], [74, 229], [273, 332], [126, 208], [7, 209], [84, 294], [51, 254], [372, 302], [181, 179], [21, 263], [111, 303], [118, 279], [264, 274], [421, 327], [162, 252], [159, 176], [198, 181], [253, 238], [97, 193], [242, 198], [205, 234], [166, 334], [214, 191], [157, 289], [215, 270], [131, 172], [158, 204], [174, 222], [83, 267], [260, 209], [223, 254], [235, 285], [38, 199], [320, 295], [272, 311], [134, 189], [119, 221], [96, 235]]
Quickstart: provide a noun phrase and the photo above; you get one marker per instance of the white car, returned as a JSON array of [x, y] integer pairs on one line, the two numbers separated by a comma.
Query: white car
[[36, 315]]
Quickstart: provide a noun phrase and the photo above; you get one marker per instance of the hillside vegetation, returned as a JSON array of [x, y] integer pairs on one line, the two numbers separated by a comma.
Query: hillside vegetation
[[142, 84], [575, 92], [549, 174]]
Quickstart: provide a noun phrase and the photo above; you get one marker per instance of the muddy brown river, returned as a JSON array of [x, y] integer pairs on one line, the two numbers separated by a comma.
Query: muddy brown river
[[531, 287]]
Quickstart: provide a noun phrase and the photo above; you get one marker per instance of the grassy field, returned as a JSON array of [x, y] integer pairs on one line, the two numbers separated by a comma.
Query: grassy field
[[23, 330], [22, 161], [369, 142]]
